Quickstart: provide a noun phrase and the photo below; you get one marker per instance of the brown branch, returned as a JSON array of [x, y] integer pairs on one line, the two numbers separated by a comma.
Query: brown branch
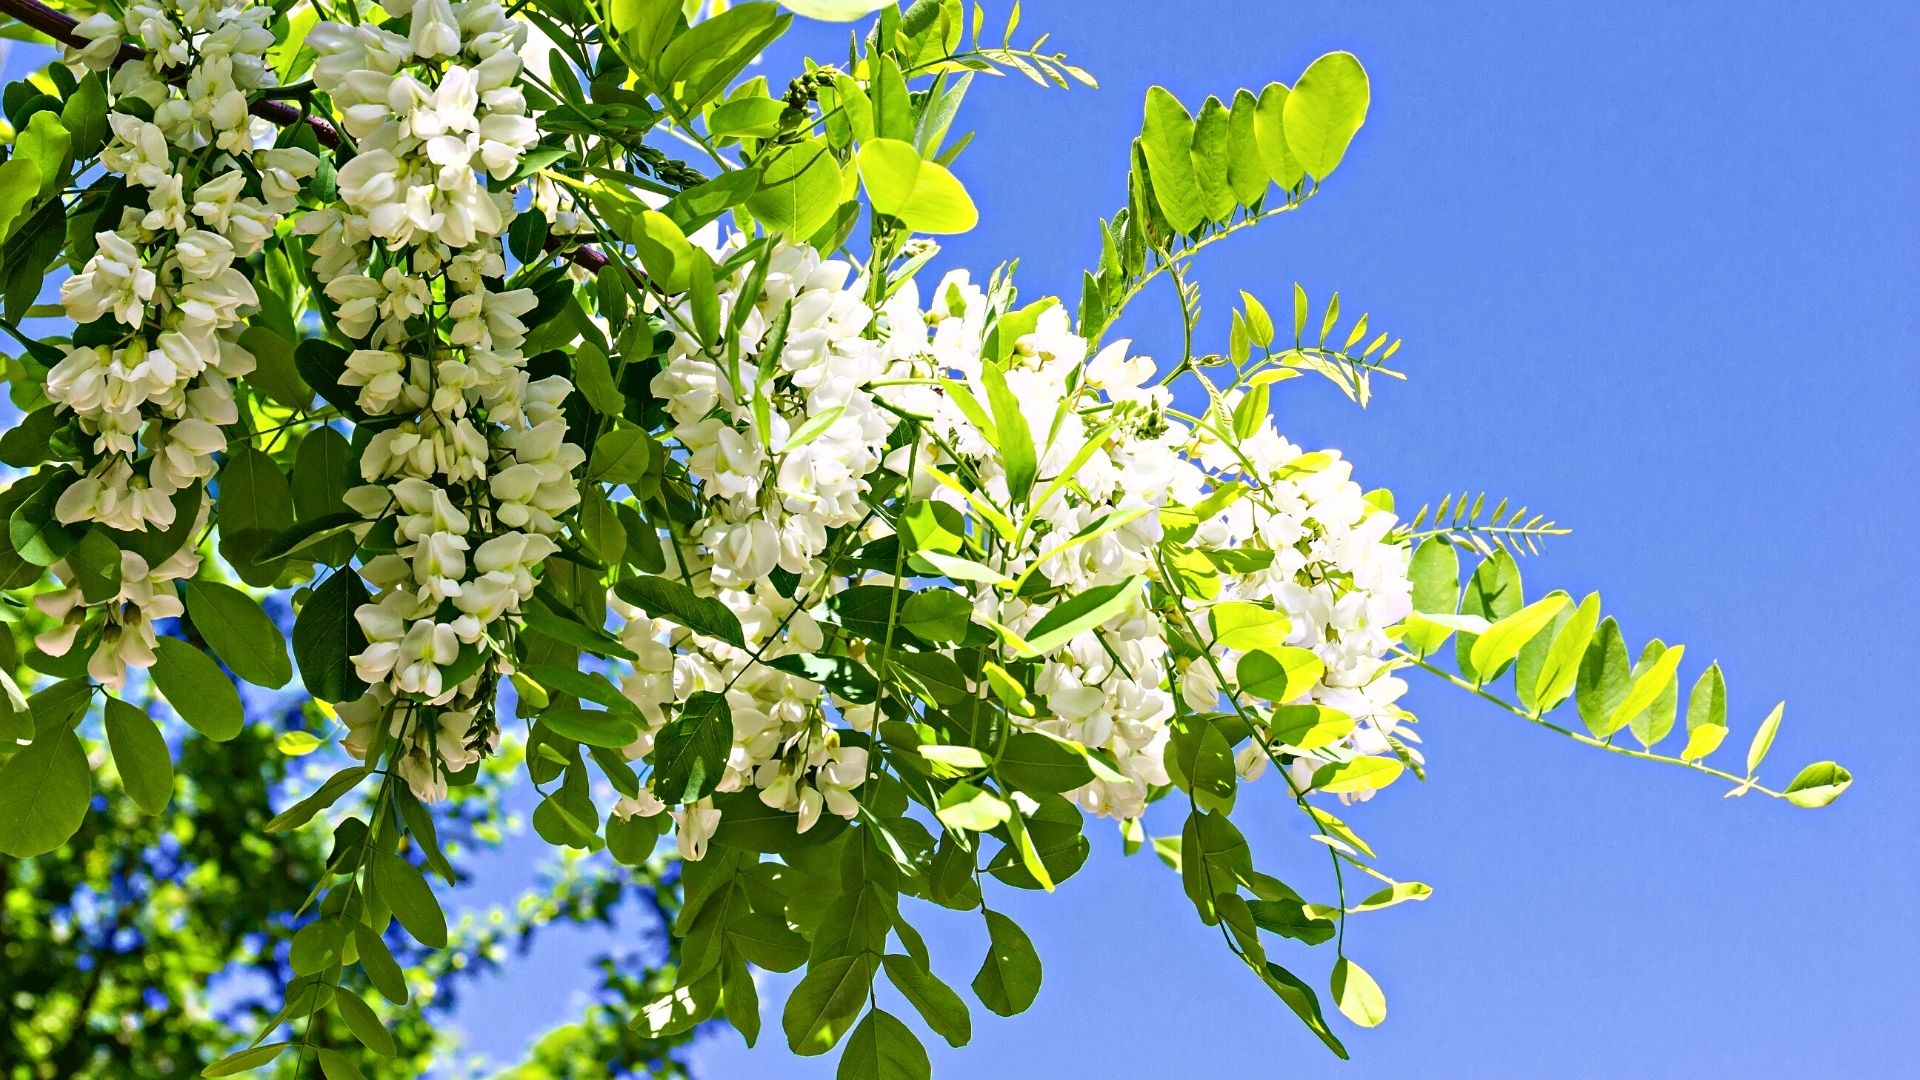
[[60, 27]]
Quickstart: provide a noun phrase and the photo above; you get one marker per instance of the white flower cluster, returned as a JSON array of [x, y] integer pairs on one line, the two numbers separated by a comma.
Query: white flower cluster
[[166, 273], [1309, 544], [783, 450], [1108, 688], [127, 638], [1334, 574], [155, 395], [470, 460]]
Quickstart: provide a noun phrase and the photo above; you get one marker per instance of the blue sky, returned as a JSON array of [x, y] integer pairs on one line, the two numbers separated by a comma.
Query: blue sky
[[1654, 269]]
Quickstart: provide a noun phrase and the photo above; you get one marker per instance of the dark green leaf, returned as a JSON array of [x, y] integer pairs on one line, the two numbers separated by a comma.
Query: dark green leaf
[[883, 1048], [1009, 979], [197, 689], [239, 633], [326, 638], [690, 753], [140, 753], [44, 791], [405, 890]]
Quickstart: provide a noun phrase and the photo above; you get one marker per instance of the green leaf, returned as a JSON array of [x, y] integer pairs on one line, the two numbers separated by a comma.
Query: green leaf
[[666, 599], [1358, 774], [1650, 701], [1398, 893], [1270, 134], [825, 1001], [1213, 859], [37, 536], [1210, 152], [328, 793], [835, 10], [1604, 675], [324, 468], [943, 1010], [1166, 137], [1245, 626], [16, 715], [20, 180], [645, 26], [1326, 107], [404, 889], [1246, 169], [1009, 978], [318, 946], [255, 505], [766, 939], [326, 638], [799, 189], [1033, 763], [246, 1060], [741, 998], [365, 1026], [620, 456], [197, 689], [95, 562], [922, 194], [84, 115], [1010, 435], [967, 807], [44, 791], [1763, 738], [1200, 761], [842, 677], [1305, 1004], [1560, 670], [1357, 995], [751, 117], [883, 1048], [690, 753], [140, 753], [1279, 675], [937, 615], [1435, 573], [607, 729], [1080, 613], [377, 961], [1706, 714], [1503, 640], [1818, 784], [1493, 593], [698, 64], [1309, 727], [239, 633], [323, 539], [62, 705]]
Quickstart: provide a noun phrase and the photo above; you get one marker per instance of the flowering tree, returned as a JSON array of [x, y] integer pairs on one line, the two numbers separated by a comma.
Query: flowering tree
[[688, 480]]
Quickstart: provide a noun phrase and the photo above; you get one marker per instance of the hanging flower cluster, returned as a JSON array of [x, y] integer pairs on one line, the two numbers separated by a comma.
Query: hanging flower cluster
[[783, 432], [470, 460], [1300, 546], [162, 296]]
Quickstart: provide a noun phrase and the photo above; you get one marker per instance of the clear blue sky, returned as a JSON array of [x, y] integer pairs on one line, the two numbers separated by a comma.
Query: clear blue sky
[[1654, 265]]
